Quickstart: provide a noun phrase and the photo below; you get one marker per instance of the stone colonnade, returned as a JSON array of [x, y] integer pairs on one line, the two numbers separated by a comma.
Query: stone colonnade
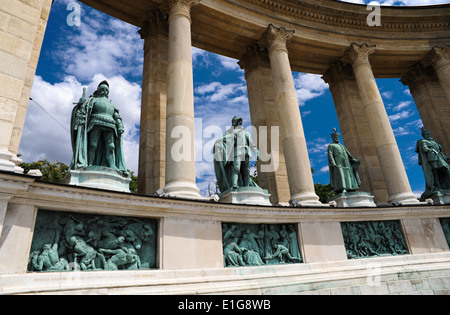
[[168, 104], [273, 102]]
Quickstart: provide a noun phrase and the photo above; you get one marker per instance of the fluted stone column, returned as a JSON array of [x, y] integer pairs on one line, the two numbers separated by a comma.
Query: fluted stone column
[[354, 127], [439, 58], [298, 167], [272, 174], [397, 183], [152, 146], [180, 162], [431, 102]]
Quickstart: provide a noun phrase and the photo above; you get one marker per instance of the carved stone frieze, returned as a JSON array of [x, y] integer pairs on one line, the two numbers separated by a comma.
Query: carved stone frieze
[[260, 244], [333, 17], [375, 238], [66, 241]]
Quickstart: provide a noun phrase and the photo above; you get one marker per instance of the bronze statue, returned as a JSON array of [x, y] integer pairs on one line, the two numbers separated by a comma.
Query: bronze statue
[[435, 164], [343, 167], [232, 158]]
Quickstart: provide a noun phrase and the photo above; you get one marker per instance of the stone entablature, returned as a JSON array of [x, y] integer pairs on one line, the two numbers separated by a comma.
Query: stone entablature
[[330, 14], [323, 30]]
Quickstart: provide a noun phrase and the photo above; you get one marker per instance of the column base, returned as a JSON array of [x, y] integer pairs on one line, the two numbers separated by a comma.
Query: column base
[[403, 199], [441, 197], [17, 161], [182, 189], [306, 200], [99, 177], [5, 161], [357, 199]]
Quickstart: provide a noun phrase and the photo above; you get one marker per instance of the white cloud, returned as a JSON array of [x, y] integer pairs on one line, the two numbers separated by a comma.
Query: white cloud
[[400, 115], [309, 86], [218, 92], [101, 44], [229, 63], [388, 95], [401, 131], [402, 105], [306, 113]]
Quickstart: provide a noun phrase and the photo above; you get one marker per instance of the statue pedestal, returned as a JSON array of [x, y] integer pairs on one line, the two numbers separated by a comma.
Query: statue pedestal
[[99, 177], [354, 200], [439, 197], [246, 195]]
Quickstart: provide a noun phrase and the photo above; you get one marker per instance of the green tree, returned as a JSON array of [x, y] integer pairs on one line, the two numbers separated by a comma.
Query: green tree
[[325, 192], [51, 172], [55, 172], [133, 183]]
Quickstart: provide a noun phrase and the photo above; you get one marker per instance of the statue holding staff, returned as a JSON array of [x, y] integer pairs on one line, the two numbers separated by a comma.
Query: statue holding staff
[[97, 132]]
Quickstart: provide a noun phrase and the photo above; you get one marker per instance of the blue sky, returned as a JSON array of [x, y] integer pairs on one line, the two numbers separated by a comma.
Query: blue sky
[[102, 47]]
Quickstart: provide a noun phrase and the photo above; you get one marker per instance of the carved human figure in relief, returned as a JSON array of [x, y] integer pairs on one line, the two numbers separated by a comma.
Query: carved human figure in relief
[[343, 167], [97, 132]]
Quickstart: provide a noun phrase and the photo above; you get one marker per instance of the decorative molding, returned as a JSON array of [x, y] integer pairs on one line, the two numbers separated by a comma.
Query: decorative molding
[[437, 57], [178, 7], [255, 57], [337, 72], [78, 199], [276, 38], [306, 12], [155, 25], [358, 54], [418, 75]]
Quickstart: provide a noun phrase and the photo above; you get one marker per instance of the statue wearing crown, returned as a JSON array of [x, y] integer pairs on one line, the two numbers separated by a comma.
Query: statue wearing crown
[[97, 138]]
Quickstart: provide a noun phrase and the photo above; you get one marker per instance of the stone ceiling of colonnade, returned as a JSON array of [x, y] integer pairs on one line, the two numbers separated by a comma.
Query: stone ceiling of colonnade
[[324, 29]]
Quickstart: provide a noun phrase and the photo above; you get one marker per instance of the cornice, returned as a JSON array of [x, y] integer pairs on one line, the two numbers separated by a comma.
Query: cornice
[[353, 17], [59, 197]]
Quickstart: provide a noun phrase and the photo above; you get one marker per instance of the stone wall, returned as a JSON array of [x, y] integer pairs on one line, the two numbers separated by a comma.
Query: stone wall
[[189, 244]]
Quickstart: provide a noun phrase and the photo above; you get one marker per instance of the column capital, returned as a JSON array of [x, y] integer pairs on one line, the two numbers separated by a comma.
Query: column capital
[[178, 7], [156, 24], [437, 57], [338, 72], [255, 57], [417, 75], [358, 54], [276, 38]]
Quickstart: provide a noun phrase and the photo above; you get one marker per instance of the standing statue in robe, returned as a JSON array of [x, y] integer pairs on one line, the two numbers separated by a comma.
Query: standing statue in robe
[[232, 158], [343, 167], [97, 132], [434, 162]]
